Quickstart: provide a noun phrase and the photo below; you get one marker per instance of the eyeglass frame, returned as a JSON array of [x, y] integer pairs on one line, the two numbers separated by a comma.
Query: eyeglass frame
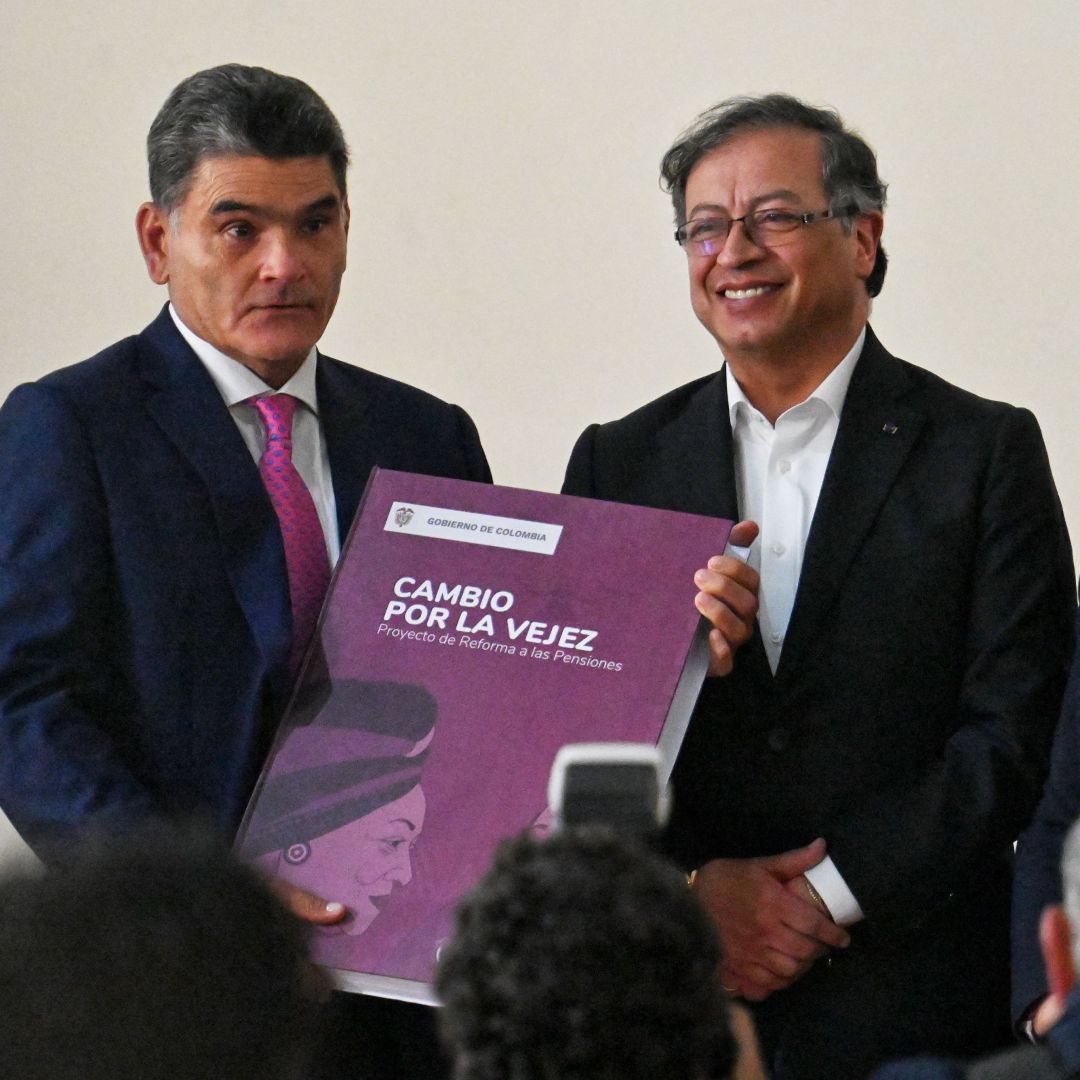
[[799, 219]]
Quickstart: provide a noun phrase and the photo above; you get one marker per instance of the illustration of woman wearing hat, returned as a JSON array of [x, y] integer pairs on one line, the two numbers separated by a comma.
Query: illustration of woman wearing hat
[[343, 806]]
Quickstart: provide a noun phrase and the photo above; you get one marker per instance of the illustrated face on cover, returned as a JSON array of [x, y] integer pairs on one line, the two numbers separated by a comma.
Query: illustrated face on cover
[[364, 862], [342, 806]]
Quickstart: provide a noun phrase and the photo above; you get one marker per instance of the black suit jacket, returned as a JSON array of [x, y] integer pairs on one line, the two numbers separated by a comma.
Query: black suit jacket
[[144, 611], [909, 718]]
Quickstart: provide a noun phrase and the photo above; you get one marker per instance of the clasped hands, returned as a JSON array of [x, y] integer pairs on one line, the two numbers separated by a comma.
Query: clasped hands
[[771, 932]]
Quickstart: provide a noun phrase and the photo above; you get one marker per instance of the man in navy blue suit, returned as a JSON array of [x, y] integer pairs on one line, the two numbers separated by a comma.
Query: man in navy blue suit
[[147, 635], [1038, 878]]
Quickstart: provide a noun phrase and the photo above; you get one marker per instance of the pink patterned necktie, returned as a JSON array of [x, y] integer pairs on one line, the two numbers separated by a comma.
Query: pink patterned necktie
[[305, 546]]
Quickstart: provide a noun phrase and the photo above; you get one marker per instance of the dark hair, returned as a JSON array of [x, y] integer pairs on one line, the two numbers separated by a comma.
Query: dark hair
[[235, 109], [848, 164], [585, 957], [154, 956]]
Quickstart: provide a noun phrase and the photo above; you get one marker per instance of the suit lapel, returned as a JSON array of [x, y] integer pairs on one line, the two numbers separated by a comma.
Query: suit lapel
[[876, 433], [187, 406], [697, 462], [695, 456], [347, 422]]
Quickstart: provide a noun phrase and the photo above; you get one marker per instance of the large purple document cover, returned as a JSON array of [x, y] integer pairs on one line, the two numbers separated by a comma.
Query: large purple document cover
[[469, 632]]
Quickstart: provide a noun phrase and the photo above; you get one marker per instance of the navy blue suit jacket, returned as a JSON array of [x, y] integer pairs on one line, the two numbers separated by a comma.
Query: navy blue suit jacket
[[910, 717], [1058, 1058], [144, 611]]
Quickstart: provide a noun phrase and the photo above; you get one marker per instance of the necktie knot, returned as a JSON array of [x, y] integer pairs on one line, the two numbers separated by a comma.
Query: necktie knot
[[276, 411]]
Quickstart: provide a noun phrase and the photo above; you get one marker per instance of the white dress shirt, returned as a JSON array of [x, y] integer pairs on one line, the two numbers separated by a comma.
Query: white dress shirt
[[237, 383], [779, 470]]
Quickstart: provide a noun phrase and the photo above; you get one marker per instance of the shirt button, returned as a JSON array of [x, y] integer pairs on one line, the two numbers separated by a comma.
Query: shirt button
[[778, 548], [776, 637], [778, 739], [785, 465]]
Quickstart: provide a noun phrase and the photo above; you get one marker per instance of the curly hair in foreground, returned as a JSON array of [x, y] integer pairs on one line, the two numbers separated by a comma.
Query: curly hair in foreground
[[582, 957]]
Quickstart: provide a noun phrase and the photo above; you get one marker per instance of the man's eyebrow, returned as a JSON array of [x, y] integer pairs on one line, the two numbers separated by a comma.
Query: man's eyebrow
[[757, 200], [713, 208], [778, 193], [327, 202], [234, 206]]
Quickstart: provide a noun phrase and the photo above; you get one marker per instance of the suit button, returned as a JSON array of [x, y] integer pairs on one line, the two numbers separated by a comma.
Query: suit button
[[779, 738]]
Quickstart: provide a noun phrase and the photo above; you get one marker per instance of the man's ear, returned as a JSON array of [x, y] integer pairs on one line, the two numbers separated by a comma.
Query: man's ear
[[346, 215], [867, 229], [153, 229], [1055, 939]]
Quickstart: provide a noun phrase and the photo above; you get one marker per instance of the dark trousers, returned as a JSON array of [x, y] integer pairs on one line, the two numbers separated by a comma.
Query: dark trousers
[[370, 1038]]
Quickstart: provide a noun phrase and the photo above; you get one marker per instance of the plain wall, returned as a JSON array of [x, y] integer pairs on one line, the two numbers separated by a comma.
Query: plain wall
[[510, 249]]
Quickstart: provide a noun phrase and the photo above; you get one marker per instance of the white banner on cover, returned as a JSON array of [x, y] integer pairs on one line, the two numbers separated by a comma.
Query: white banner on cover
[[540, 537]]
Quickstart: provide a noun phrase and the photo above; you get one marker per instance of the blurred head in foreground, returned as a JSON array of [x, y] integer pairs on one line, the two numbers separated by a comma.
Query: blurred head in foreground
[[582, 957], [156, 956]]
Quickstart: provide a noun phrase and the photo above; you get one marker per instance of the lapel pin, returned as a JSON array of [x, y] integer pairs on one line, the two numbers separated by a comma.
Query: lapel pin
[[889, 429]]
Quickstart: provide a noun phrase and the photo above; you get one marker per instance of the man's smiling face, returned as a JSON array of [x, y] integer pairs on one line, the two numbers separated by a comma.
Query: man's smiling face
[[806, 288]]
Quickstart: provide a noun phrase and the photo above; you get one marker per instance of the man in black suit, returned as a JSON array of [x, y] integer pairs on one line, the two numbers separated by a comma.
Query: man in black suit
[[882, 735], [173, 506]]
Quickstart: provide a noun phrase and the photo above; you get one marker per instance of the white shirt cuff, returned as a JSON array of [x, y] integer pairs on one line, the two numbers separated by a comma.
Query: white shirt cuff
[[832, 888]]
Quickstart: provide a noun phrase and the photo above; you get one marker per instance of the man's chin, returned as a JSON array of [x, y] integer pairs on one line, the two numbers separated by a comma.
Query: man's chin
[[277, 353], [280, 329]]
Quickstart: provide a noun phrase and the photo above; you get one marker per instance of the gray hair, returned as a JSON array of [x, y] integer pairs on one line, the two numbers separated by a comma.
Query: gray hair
[[848, 164], [233, 109]]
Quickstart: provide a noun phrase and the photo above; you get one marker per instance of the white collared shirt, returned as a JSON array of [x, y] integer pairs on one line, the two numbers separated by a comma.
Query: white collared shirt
[[778, 474], [779, 470], [237, 384]]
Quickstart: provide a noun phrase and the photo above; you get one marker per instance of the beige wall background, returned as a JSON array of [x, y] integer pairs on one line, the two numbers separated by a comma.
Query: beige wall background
[[510, 248]]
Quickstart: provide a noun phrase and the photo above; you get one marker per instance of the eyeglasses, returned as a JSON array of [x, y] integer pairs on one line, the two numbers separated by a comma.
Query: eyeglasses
[[765, 228]]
